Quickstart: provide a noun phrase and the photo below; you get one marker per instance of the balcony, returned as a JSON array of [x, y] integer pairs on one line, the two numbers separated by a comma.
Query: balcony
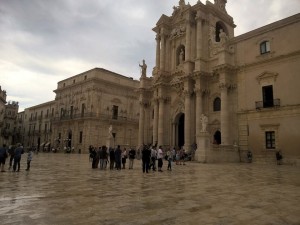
[[275, 103]]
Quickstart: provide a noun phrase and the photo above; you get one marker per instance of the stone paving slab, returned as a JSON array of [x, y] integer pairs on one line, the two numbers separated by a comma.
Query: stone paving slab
[[63, 189]]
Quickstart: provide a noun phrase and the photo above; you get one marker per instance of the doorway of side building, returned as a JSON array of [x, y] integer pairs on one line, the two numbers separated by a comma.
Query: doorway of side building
[[217, 137], [69, 143], [179, 134]]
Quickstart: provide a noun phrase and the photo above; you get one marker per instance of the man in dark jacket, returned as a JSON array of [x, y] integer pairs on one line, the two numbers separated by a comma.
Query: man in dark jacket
[[3, 156], [17, 158], [131, 158], [118, 153], [111, 158], [146, 153]]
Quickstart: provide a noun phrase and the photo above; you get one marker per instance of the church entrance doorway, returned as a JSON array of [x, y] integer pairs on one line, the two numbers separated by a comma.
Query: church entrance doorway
[[179, 135]]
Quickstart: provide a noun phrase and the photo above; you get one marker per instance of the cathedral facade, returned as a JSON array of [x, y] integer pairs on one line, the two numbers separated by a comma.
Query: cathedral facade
[[218, 95]]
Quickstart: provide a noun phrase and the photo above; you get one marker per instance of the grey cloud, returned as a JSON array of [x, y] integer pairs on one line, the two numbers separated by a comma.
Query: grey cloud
[[61, 38]]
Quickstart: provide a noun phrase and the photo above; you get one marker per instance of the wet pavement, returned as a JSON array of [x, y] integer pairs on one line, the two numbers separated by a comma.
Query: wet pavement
[[63, 189]]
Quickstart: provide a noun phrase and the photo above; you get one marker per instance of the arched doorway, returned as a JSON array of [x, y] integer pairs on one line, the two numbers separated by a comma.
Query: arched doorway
[[180, 130], [217, 137]]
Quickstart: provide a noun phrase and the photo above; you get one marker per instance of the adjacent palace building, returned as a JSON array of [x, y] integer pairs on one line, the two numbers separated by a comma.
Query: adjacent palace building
[[211, 93]]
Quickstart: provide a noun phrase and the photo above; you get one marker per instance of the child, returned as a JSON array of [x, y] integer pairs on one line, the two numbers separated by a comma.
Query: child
[[29, 158]]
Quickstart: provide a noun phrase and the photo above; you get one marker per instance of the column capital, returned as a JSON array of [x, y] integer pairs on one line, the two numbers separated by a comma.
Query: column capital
[[187, 93], [199, 16], [227, 86], [144, 103], [201, 91], [223, 86], [157, 38]]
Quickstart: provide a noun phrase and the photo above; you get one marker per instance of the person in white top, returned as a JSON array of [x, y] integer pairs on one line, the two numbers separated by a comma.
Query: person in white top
[[153, 158], [160, 156]]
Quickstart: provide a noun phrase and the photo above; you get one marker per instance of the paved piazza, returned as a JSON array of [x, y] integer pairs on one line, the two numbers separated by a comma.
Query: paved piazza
[[63, 189]]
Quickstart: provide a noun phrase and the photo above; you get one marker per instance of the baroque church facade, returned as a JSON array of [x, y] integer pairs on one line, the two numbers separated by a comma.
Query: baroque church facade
[[219, 95]]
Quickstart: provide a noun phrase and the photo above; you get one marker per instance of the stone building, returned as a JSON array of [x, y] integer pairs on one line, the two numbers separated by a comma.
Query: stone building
[[220, 94], [9, 124], [97, 107]]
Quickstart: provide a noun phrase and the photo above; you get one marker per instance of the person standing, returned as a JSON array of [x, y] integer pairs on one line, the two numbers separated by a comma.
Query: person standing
[[3, 156], [146, 153], [131, 158], [170, 159], [17, 158], [153, 158], [103, 157], [11, 152], [124, 157], [111, 158], [279, 157], [118, 153], [29, 158], [93, 155], [160, 156]]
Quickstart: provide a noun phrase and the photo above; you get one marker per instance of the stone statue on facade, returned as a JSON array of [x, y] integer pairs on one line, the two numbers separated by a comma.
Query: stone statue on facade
[[204, 121], [223, 36], [181, 56], [143, 68], [110, 135]]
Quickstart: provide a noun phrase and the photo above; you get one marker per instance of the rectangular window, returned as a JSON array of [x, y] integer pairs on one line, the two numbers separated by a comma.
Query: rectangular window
[[270, 139], [80, 137], [115, 112], [264, 47], [268, 100], [46, 126]]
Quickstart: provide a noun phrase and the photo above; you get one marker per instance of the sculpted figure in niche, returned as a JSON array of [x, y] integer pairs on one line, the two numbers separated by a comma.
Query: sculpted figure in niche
[[204, 121], [181, 56], [223, 36], [143, 68]]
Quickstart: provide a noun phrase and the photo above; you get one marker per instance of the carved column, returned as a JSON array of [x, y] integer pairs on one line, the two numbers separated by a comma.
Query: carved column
[[199, 106], [155, 121], [157, 51], [141, 124], [224, 114], [162, 51], [187, 120], [199, 34], [161, 121], [188, 40]]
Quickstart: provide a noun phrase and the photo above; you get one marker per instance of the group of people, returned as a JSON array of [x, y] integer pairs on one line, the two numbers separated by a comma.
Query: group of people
[[14, 153], [117, 158]]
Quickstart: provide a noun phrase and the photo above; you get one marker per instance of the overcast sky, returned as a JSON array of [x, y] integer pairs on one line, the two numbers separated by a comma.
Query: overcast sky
[[45, 41]]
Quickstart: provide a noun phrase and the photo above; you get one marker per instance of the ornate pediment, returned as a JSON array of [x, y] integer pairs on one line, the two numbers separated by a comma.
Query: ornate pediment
[[163, 20], [116, 100], [267, 77]]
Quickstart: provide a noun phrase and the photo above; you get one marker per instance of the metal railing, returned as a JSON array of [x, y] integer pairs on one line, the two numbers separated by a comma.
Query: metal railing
[[270, 104]]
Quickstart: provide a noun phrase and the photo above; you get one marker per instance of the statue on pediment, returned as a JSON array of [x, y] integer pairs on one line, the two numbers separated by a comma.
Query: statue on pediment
[[143, 68]]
